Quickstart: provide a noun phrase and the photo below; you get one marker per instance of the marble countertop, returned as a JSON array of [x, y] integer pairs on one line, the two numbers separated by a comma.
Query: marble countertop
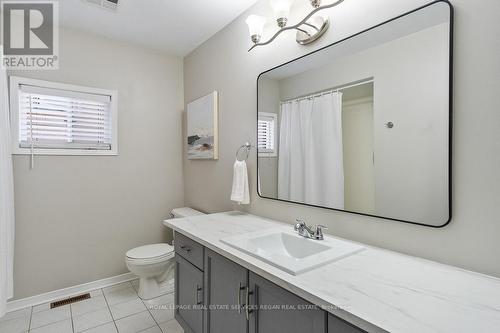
[[376, 289]]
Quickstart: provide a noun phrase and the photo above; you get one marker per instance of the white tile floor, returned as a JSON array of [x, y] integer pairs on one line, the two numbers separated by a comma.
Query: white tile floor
[[116, 309]]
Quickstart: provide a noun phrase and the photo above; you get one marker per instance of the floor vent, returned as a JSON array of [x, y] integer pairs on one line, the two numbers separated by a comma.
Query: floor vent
[[69, 300]]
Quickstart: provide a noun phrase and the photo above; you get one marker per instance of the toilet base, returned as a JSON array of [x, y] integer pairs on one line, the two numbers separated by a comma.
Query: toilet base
[[155, 287], [150, 288]]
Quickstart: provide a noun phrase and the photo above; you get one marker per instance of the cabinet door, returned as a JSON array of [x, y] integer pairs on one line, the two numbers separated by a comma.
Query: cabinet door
[[275, 310], [337, 325], [188, 296], [226, 283]]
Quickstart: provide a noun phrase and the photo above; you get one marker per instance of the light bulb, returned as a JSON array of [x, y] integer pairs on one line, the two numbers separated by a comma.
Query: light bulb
[[255, 27], [281, 10]]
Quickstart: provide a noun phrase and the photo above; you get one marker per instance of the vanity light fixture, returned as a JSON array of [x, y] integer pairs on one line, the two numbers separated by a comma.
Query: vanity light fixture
[[310, 29], [256, 27]]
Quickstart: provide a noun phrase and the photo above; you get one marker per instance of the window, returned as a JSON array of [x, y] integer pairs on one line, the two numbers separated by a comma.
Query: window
[[266, 133], [51, 118]]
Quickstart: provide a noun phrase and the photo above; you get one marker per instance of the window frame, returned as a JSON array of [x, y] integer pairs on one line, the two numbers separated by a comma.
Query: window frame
[[14, 89], [274, 152]]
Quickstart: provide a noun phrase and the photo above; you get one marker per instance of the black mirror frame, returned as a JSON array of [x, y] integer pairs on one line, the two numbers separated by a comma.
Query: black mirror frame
[[450, 128]]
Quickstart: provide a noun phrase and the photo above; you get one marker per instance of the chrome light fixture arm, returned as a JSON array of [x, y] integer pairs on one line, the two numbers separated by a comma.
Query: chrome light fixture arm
[[303, 22]]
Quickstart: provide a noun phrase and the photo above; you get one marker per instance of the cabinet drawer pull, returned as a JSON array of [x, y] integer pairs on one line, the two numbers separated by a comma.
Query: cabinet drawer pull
[[247, 309], [198, 289], [240, 288], [186, 248]]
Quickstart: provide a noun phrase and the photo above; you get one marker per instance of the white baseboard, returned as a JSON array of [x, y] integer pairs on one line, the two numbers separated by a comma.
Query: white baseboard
[[67, 292]]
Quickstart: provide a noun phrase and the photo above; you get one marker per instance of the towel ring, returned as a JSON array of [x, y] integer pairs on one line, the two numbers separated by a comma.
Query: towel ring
[[246, 146]]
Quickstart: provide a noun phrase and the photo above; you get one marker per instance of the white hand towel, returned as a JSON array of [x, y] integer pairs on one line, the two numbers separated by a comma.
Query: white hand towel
[[241, 191]]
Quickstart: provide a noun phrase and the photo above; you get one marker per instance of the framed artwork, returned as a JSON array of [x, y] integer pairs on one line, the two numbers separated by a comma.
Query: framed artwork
[[202, 129]]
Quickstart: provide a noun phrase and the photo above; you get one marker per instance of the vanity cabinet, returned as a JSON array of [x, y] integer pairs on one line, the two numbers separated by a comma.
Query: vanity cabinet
[[226, 283], [188, 295], [224, 297], [273, 309]]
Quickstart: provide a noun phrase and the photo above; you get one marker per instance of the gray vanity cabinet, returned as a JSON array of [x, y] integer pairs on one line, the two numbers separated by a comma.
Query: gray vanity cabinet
[[226, 284], [212, 294], [276, 310], [188, 295]]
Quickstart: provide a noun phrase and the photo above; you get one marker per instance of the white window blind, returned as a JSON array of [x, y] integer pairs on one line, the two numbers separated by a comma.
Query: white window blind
[[63, 119], [266, 133]]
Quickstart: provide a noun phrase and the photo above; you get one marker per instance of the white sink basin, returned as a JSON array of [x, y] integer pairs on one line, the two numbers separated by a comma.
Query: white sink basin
[[290, 252]]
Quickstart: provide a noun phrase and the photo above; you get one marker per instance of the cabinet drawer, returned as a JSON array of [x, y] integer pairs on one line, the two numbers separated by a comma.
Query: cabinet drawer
[[189, 250]]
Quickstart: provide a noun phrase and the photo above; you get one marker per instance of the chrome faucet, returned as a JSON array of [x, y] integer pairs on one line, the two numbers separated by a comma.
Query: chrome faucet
[[305, 231]]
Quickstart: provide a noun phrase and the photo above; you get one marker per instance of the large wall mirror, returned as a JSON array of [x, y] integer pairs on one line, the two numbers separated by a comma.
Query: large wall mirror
[[364, 125]]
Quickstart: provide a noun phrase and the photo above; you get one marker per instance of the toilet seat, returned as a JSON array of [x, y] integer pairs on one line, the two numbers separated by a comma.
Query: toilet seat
[[150, 254]]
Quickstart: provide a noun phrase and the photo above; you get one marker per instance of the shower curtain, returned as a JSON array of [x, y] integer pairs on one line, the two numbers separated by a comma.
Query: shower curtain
[[310, 164], [6, 200]]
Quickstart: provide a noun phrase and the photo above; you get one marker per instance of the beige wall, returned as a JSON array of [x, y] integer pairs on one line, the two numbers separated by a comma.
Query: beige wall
[[76, 216], [471, 239]]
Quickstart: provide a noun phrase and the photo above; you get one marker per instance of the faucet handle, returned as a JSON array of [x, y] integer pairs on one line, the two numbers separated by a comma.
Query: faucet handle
[[299, 223], [318, 234]]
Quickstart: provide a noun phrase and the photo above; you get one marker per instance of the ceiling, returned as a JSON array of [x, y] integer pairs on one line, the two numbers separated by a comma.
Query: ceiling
[[172, 26]]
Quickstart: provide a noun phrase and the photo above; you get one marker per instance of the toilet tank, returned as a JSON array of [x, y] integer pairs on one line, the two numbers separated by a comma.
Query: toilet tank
[[184, 212]]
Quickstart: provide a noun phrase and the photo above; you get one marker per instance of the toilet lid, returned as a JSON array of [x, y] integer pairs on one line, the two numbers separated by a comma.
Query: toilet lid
[[150, 251]]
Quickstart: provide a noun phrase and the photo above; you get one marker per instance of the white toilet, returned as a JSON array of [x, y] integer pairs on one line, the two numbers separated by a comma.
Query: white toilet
[[154, 264]]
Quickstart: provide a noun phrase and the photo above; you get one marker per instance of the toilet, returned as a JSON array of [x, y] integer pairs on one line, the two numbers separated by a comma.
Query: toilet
[[153, 264]]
